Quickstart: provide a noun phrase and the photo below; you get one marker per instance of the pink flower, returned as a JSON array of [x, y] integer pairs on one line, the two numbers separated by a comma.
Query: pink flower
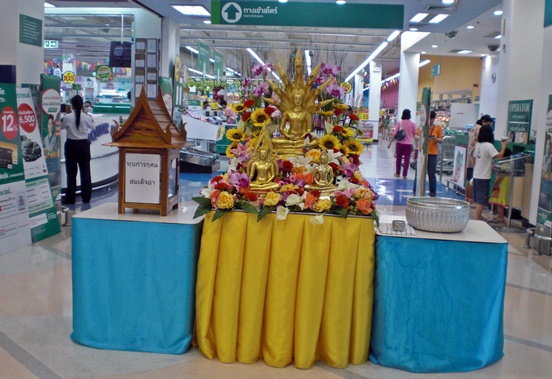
[[330, 69], [335, 90], [261, 89], [238, 179]]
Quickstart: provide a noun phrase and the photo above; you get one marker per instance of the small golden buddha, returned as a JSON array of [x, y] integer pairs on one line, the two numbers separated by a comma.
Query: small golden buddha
[[297, 105], [262, 168], [323, 176]]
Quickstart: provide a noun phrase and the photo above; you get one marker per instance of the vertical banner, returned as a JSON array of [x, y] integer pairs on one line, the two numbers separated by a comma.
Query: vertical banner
[[49, 120], [459, 166], [43, 219], [167, 92], [544, 214], [425, 109], [219, 64], [14, 217], [203, 56]]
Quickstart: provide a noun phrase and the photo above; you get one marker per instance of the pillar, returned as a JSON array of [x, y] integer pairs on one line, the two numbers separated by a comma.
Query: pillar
[[374, 96]]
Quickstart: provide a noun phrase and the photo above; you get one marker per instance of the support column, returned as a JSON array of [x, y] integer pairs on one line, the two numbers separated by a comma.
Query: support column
[[170, 46], [409, 69], [374, 96]]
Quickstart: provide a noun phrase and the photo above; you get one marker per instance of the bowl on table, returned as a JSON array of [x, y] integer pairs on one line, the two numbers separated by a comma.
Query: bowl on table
[[437, 214]]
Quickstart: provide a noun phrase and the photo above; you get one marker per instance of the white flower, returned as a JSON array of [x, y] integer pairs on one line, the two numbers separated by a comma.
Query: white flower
[[344, 184], [293, 199], [332, 157], [233, 164], [281, 212], [300, 161], [207, 191], [317, 220]]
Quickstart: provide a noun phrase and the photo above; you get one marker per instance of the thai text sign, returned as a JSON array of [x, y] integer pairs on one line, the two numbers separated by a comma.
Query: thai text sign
[[519, 115]]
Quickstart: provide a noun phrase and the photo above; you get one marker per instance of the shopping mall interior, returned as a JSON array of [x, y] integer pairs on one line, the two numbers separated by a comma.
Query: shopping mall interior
[[474, 60]]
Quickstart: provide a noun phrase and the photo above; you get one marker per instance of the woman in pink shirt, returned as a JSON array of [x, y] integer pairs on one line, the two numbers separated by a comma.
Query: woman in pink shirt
[[404, 146]]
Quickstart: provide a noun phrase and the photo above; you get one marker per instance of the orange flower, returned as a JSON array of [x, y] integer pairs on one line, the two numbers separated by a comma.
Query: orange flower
[[365, 206], [309, 178], [310, 200]]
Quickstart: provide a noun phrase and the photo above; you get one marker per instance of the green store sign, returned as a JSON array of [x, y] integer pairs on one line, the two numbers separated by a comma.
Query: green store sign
[[376, 16], [519, 115]]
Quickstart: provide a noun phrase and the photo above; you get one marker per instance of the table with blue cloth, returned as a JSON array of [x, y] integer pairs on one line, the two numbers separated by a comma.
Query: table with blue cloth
[[439, 300], [134, 279]]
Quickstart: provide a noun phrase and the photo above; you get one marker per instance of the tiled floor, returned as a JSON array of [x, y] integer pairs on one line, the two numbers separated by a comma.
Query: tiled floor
[[36, 310]]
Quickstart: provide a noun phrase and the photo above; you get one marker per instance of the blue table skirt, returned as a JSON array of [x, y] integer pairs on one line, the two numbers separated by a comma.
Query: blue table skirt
[[134, 284], [438, 305]]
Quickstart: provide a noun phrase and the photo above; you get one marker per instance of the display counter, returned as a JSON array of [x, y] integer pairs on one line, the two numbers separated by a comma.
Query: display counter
[[287, 291], [439, 300], [134, 279]]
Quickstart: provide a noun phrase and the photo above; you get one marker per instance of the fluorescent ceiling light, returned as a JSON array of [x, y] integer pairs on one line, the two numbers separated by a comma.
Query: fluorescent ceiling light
[[211, 60], [368, 60], [498, 13], [419, 17], [192, 10], [282, 1], [413, 29], [434, 46], [498, 36], [48, 5], [393, 35], [308, 61], [422, 52], [465, 51], [233, 71], [192, 49], [447, 1], [437, 19], [340, 2], [423, 63], [208, 22], [470, 27], [200, 73]]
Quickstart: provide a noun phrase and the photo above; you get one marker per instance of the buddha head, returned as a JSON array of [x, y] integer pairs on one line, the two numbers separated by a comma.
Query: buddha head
[[297, 95]]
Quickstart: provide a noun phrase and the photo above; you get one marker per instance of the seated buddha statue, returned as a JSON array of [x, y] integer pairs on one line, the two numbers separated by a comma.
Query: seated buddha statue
[[262, 168], [323, 176]]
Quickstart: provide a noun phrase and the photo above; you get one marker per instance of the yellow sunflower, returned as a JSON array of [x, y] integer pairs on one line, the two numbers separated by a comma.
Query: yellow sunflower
[[344, 150], [229, 153], [238, 108], [235, 135], [347, 132], [354, 146], [260, 118], [314, 154], [328, 142]]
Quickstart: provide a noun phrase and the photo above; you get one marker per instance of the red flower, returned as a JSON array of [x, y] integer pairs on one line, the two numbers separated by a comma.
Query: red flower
[[248, 103], [216, 178], [353, 117], [287, 166], [337, 129], [354, 180], [315, 193], [338, 112], [354, 159], [246, 116], [251, 196], [334, 167], [269, 110], [342, 201], [300, 191]]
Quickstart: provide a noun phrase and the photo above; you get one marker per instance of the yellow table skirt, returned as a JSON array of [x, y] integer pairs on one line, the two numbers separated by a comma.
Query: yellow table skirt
[[287, 291]]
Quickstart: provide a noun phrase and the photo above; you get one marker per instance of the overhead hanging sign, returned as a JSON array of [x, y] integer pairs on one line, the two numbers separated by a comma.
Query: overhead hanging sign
[[219, 63], [373, 16], [203, 56]]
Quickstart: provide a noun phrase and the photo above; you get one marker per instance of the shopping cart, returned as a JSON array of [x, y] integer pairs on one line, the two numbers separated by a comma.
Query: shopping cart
[[445, 162]]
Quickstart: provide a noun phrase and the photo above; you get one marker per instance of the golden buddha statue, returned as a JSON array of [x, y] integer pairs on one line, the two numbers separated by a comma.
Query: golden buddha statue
[[297, 105], [323, 176], [262, 168]]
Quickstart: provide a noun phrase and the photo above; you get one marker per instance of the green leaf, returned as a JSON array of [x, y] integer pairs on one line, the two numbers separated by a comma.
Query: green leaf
[[375, 215], [264, 211], [202, 201], [341, 211], [201, 210], [249, 208], [219, 213]]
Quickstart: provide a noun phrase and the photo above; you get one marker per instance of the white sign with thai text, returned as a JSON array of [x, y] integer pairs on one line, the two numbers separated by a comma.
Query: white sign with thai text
[[142, 178]]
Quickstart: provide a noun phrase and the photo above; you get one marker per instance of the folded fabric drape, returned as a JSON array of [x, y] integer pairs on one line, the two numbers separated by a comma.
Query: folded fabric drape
[[287, 291]]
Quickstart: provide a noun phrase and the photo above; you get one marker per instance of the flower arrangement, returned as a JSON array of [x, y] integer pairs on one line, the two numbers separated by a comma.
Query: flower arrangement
[[353, 195]]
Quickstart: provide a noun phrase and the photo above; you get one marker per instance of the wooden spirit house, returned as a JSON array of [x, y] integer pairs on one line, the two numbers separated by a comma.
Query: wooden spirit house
[[149, 157]]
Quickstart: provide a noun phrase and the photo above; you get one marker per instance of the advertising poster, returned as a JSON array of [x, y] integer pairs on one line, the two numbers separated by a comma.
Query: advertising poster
[[545, 195], [167, 92], [50, 115], [459, 165], [14, 217], [43, 219]]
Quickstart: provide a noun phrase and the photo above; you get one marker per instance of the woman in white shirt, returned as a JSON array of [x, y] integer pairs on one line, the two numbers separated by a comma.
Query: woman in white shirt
[[77, 151], [484, 154]]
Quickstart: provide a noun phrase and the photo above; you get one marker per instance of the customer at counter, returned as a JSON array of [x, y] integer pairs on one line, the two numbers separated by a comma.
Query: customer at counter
[[474, 133]]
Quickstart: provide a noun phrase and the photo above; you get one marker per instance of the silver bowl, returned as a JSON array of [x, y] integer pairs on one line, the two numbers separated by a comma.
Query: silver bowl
[[437, 214]]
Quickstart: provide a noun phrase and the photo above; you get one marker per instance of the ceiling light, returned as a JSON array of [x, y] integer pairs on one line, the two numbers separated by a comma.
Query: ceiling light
[[422, 52], [437, 19], [447, 1], [340, 2], [419, 17], [368, 60], [423, 63], [470, 27], [200, 73], [483, 55], [434, 46], [192, 10], [234, 72], [465, 51], [308, 61], [393, 35], [48, 5], [192, 49], [211, 60], [498, 36], [208, 22], [413, 29], [498, 13], [282, 1]]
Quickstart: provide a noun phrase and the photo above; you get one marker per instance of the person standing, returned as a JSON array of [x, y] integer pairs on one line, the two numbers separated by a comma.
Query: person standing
[[77, 151], [474, 133], [403, 150], [484, 153], [435, 136]]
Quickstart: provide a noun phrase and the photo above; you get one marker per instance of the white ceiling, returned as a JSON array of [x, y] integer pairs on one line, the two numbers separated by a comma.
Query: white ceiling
[[345, 46]]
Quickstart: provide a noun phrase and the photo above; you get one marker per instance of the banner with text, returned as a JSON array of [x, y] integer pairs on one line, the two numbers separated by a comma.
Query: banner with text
[[544, 212], [14, 216], [43, 219], [203, 56], [49, 120], [376, 16]]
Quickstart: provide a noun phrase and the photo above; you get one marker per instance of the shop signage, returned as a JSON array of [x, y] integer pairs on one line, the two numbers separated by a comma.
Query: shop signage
[[49, 121], [544, 213], [436, 70], [547, 13], [377, 16], [204, 53], [30, 30], [519, 115], [103, 73], [219, 64], [50, 44], [69, 77]]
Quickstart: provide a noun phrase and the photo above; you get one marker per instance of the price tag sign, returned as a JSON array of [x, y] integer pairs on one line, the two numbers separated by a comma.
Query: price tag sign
[[69, 77], [9, 123], [27, 118]]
